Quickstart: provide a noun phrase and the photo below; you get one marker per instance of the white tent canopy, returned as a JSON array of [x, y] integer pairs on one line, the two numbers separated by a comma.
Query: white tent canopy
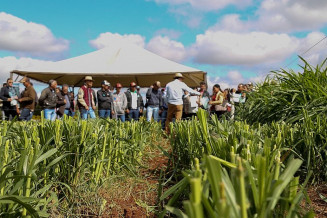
[[120, 63]]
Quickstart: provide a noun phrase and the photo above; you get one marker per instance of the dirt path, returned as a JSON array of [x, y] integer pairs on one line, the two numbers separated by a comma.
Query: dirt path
[[137, 196]]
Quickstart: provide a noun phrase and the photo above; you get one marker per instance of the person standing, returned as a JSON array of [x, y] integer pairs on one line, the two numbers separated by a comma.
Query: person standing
[[190, 105], [119, 104], [65, 93], [134, 102], [86, 99], [27, 100], [61, 103], [48, 100], [175, 91], [72, 104], [104, 100], [163, 115], [204, 97], [154, 102], [9, 96], [217, 101]]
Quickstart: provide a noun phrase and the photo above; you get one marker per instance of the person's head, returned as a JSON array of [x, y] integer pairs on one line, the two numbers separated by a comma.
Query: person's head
[[216, 88], [203, 86], [10, 82], [88, 81], [132, 86], [179, 76], [118, 87], [65, 88], [233, 90], [26, 82], [4, 84], [156, 85], [138, 88], [52, 84], [105, 85], [240, 87], [163, 90], [72, 95], [57, 89]]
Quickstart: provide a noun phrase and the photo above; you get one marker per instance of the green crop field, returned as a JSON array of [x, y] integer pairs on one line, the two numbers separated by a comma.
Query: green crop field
[[258, 165]]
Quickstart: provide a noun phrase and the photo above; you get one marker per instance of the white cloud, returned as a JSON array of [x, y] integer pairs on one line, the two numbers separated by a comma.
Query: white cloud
[[280, 16], [228, 48], [165, 47], [173, 34], [9, 63], [28, 38], [207, 5], [107, 39]]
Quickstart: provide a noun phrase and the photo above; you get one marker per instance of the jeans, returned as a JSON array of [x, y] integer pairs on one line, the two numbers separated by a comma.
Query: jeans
[[104, 113], [163, 118], [69, 113], [50, 114], [134, 114], [85, 113], [26, 114], [10, 113], [121, 117], [152, 110]]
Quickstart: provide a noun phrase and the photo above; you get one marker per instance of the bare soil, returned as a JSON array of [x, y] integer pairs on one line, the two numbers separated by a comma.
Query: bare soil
[[137, 196]]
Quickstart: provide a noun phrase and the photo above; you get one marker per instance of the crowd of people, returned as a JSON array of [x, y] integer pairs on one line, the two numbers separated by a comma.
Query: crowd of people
[[175, 101]]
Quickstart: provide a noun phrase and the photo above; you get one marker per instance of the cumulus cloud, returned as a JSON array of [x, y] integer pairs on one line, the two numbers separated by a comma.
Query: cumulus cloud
[[107, 39], [173, 34], [28, 38], [228, 48], [10, 63], [165, 47], [160, 45], [207, 5], [279, 16]]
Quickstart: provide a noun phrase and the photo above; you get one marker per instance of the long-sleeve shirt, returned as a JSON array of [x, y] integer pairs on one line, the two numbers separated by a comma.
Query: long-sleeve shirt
[[175, 91], [154, 97]]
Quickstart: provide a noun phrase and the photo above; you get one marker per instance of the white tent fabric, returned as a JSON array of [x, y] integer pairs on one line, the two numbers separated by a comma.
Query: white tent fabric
[[120, 63]]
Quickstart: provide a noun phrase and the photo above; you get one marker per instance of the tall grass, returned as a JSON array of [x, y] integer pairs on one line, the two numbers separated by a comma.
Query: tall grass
[[288, 96], [43, 163]]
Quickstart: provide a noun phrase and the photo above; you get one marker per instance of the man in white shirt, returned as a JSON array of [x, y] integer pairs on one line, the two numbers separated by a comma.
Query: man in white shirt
[[174, 92]]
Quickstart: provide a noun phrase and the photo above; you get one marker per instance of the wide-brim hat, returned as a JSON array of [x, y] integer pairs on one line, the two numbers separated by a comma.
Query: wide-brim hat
[[88, 78], [178, 75]]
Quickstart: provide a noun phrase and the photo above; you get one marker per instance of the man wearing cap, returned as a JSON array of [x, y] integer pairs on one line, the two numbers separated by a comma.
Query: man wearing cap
[[154, 102], [134, 102], [174, 92], [27, 100], [104, 100], [9, 96], [86, 99], [48, 100], [119, 104]]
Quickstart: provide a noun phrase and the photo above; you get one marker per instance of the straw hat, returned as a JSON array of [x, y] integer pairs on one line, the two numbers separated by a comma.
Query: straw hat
[[88, 78], [178, 75]]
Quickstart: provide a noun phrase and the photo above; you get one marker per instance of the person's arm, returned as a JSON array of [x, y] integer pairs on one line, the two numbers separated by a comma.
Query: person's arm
[[43, 96], [141, 103], [124, 101], [80, 98], [30, 96], [160, 101], [219, 100], [148, 93], [2, 95], [101, 97], [191, 91]]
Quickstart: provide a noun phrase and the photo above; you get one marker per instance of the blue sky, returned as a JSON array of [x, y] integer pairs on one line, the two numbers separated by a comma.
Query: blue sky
[[233, 40]]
